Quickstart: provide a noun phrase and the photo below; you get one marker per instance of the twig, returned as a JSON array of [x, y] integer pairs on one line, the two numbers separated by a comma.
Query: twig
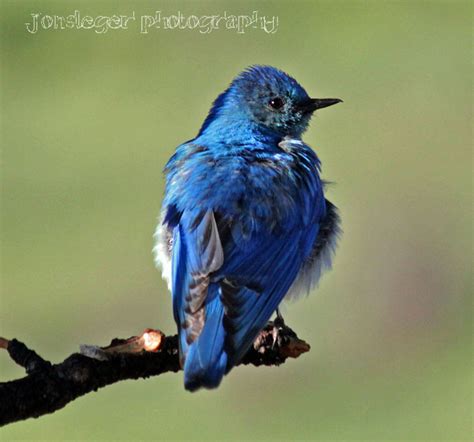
[[48, 387]]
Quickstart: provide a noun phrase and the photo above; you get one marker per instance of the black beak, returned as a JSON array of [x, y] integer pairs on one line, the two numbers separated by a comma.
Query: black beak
[[318, 103]]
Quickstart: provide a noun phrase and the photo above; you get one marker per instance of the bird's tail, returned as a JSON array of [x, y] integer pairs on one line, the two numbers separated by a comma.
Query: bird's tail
[[206, 360]]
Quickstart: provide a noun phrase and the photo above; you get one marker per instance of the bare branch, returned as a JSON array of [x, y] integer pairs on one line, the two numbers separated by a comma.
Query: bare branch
[[48, 387]]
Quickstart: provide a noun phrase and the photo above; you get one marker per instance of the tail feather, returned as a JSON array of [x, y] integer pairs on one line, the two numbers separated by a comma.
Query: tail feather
[[206, 359]]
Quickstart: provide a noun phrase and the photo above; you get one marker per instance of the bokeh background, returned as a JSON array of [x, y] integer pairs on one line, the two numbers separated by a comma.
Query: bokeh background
[[88, 122]]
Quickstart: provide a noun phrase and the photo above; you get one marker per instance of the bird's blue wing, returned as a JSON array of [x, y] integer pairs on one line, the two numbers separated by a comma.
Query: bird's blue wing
[[197, 252], [262, 280], [223, 295]]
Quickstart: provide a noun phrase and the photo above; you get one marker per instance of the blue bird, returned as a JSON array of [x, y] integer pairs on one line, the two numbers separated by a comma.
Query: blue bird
[[244, 221]]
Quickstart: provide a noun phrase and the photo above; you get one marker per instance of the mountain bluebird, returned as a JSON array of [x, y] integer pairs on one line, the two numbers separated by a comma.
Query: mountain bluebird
[[244, 222]]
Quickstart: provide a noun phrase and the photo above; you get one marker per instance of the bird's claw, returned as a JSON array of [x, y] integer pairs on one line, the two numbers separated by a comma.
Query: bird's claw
[[278, 325]]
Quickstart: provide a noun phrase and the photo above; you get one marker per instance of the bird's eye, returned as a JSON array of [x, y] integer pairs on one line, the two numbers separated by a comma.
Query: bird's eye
[[276, 103]]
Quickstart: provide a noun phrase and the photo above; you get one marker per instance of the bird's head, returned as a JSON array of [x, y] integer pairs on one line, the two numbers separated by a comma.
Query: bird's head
[[269, 99]]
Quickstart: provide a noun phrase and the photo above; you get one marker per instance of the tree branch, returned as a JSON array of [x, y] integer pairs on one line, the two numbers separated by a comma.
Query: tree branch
[[48, 387]]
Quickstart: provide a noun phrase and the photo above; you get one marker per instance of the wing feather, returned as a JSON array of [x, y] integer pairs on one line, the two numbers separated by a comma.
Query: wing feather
[[197, 252]]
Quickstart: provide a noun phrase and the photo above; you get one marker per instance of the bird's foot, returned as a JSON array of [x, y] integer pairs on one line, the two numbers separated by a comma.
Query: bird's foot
[[278, 341], [278, 325], [279, 318]]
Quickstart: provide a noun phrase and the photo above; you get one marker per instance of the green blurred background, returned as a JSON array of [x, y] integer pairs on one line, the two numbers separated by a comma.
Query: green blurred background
[[88, 122]]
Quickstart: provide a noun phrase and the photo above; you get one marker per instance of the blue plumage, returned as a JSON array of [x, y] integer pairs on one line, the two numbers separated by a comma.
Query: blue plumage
[[245, 221]]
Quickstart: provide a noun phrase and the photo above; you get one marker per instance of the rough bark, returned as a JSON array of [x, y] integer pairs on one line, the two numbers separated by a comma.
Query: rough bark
[[49, 387]]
